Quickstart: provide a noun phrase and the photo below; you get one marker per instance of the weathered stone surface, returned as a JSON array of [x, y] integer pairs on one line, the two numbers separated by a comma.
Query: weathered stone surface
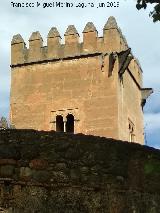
[[89, 28], [111, 24], [17, 39], [7, 171], [35, 36], [38, 164], [9, 152], [82, 79], [25, 173], [61, 167], [53, 33], [41, 176], [8, 161], [71, 30], [105, 175]]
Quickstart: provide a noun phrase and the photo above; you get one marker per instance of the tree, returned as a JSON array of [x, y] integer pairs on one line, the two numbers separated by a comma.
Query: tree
[[155, 14], [3, 123]]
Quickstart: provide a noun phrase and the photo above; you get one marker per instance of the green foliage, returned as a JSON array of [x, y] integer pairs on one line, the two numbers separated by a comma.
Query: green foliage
[[152, 167], [3, 123], [155, 14]]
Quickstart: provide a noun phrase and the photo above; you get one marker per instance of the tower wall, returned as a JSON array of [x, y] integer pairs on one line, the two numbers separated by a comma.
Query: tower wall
[[76, 85], [130, 110], [95, 81]]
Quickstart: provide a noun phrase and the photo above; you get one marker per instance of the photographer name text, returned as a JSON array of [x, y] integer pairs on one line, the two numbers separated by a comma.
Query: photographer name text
[[59, 4]]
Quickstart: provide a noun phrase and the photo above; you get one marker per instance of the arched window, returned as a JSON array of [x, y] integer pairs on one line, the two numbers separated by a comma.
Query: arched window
[[70, 123], [59, 123]]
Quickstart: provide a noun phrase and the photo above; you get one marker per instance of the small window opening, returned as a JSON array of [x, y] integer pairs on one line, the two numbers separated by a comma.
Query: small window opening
[[59, 123], [70, 123], [131, 132]]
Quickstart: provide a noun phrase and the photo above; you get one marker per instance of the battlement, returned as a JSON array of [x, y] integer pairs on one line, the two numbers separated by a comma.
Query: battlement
[[91, 85], [112, 41]]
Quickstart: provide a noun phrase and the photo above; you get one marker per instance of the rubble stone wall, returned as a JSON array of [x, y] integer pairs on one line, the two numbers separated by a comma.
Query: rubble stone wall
[[50, 172]]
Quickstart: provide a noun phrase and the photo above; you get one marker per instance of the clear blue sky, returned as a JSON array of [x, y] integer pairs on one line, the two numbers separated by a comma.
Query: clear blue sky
[[141, 33]]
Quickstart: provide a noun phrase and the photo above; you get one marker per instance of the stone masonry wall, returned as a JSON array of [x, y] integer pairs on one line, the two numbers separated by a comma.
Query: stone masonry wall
[[49, 172]]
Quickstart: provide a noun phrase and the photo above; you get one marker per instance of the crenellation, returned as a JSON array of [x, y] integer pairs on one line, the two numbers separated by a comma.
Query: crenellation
[[17, 49], [17, 39], [53, 43], [71, 35], [112, 41], [36, 36], [35, 47], [90, 35], [89, 28], [72, 75], [71, 30], [53, 33], [111, 23], [71, 41]]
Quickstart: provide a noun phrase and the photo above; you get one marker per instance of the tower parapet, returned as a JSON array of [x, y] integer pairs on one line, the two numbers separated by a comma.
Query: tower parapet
[[35, 47], [112, 41], [17, 50], [71, 47], [75, 86], [53, 43], [90, 38], [113, 37]]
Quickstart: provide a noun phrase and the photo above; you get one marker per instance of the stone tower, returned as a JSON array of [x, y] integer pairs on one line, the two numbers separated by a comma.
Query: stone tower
[[93, 87]]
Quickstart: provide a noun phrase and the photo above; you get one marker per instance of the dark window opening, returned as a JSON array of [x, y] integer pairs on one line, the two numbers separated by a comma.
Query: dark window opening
[[70, 123], [131, 132], [59, 123]]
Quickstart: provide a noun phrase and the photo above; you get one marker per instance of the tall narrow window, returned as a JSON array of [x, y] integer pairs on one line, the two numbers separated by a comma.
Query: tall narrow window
[[59, 123], [131, 132], [70, 123]]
